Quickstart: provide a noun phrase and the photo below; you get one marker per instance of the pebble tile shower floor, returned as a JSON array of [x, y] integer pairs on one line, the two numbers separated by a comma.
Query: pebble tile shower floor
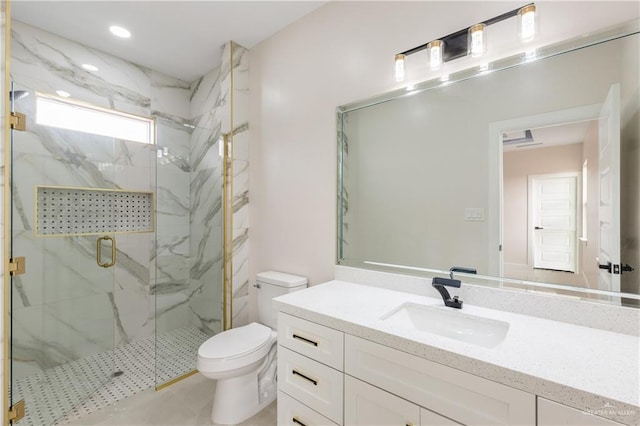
[[51, 394]]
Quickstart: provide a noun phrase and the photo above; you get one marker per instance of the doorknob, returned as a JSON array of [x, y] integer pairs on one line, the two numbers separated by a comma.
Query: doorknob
[[606, 267], [627, 268], [538, 227], [99, 252]]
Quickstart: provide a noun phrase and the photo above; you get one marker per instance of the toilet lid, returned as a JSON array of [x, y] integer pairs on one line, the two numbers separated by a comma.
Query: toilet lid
[[235, 342]]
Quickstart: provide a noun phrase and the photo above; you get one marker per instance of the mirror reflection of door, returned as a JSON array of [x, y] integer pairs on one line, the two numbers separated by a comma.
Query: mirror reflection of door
[[561, 186], [552, 203], [609, 193]]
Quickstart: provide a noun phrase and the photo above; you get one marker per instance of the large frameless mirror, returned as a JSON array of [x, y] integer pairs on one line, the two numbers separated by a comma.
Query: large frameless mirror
[[526, 174]]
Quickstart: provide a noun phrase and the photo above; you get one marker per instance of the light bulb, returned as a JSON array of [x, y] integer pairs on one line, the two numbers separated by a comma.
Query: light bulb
[[399, 67], [527, 23], [477, 40], [435, 53]]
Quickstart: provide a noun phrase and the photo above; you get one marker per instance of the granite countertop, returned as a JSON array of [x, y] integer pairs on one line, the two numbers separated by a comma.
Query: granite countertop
[[586, 368]]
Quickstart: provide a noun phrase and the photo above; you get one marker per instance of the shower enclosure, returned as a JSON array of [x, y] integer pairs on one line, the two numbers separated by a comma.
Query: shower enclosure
[[112, 301], [128, 241]]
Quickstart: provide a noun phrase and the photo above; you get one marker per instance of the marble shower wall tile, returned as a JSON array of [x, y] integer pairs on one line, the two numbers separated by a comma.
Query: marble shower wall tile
[[206, 220], [241, 222], [344, 131], [47, 62]]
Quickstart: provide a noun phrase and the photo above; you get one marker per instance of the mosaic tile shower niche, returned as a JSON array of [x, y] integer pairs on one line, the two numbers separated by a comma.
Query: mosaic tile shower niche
[[80, 211]]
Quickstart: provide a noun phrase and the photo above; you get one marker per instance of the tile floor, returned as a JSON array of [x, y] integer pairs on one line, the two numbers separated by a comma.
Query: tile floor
[[66, 388], [187, 402]]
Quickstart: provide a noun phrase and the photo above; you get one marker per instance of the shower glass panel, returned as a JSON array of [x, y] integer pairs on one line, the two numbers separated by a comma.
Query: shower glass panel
[[189, 269], [62, 307]]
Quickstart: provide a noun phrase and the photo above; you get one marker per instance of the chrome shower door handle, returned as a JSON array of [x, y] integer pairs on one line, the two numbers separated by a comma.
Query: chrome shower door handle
[[99, 252]]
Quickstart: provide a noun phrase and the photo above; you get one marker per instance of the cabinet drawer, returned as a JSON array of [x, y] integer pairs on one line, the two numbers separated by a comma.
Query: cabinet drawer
[[553, 414], [321, 343], [295, 413], [366, 405], [312, 383], [463, 397]]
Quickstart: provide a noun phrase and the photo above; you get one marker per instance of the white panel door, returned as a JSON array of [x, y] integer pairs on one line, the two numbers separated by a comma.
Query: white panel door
[[609, 193], [554, 219]]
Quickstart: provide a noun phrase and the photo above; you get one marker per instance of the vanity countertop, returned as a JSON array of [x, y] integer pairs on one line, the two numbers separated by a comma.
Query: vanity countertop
[[586, 368]]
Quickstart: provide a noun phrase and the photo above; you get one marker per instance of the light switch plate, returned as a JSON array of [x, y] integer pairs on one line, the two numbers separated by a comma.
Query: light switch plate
[[474, 214]]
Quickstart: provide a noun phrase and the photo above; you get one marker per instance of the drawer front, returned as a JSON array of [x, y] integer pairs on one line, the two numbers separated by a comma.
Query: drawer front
[[366, 405], [312, 383], [316, 341], [460, 396], [553, 414], [295, 413]]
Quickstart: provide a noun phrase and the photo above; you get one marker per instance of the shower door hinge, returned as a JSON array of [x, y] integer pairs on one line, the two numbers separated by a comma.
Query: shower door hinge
[[17, 266], [17, 411], [18, 121]]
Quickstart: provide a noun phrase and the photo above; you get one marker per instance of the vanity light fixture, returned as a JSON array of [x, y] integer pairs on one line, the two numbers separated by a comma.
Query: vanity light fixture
[[119, 31], [527, 22], [434, 51], [477, 40], [469, 41], [399, 67]]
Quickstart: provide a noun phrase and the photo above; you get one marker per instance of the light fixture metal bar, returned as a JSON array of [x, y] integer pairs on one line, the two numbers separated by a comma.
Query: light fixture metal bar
[[456, 43]]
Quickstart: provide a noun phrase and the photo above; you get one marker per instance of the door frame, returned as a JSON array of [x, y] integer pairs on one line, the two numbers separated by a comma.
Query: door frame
[[530, 224], [496, 190]]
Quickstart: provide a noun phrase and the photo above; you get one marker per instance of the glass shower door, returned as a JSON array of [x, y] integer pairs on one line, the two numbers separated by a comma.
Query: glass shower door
[[62, 307]]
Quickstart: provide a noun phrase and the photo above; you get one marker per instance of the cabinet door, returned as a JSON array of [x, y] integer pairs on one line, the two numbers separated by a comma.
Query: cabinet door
[[429, 418], [365, 405], [553, 414]]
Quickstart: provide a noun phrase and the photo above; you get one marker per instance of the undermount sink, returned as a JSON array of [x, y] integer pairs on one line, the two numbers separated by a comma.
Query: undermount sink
[[447, 322]]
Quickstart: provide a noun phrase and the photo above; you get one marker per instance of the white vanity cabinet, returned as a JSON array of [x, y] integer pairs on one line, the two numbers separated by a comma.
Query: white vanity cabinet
[[326, 377], [310, 373], [553, 414]]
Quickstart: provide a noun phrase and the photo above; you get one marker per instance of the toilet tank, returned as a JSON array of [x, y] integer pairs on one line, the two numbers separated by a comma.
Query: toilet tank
[[272, 284]]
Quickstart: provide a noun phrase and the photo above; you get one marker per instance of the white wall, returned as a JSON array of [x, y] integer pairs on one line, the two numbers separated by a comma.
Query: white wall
[[340, 53]]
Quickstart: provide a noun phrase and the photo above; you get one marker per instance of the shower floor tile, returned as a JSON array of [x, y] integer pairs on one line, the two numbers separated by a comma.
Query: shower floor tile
[[51, 395]]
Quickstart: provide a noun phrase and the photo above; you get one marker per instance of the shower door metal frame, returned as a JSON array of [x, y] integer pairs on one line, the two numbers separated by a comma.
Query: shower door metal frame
[[6, 325]]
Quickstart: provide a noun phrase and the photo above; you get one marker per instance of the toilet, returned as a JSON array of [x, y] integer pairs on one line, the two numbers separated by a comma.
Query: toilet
[[243, 359]]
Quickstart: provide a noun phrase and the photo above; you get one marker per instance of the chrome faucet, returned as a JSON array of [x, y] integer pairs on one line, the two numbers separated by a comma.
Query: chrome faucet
[[440, 283]]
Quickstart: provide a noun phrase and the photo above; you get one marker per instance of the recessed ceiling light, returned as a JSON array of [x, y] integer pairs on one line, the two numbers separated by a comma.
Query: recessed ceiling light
[[90, 67], [63, 94], [119, 31]]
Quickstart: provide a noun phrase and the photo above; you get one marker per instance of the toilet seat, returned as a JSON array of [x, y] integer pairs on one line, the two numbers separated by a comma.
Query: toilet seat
[[235, 348]]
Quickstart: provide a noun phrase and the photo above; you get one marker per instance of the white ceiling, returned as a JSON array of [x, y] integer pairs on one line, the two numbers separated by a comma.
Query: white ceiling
[[180, 38], [545, 137]]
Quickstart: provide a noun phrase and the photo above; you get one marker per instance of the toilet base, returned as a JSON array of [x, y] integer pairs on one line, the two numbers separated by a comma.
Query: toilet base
[[236, 400]]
